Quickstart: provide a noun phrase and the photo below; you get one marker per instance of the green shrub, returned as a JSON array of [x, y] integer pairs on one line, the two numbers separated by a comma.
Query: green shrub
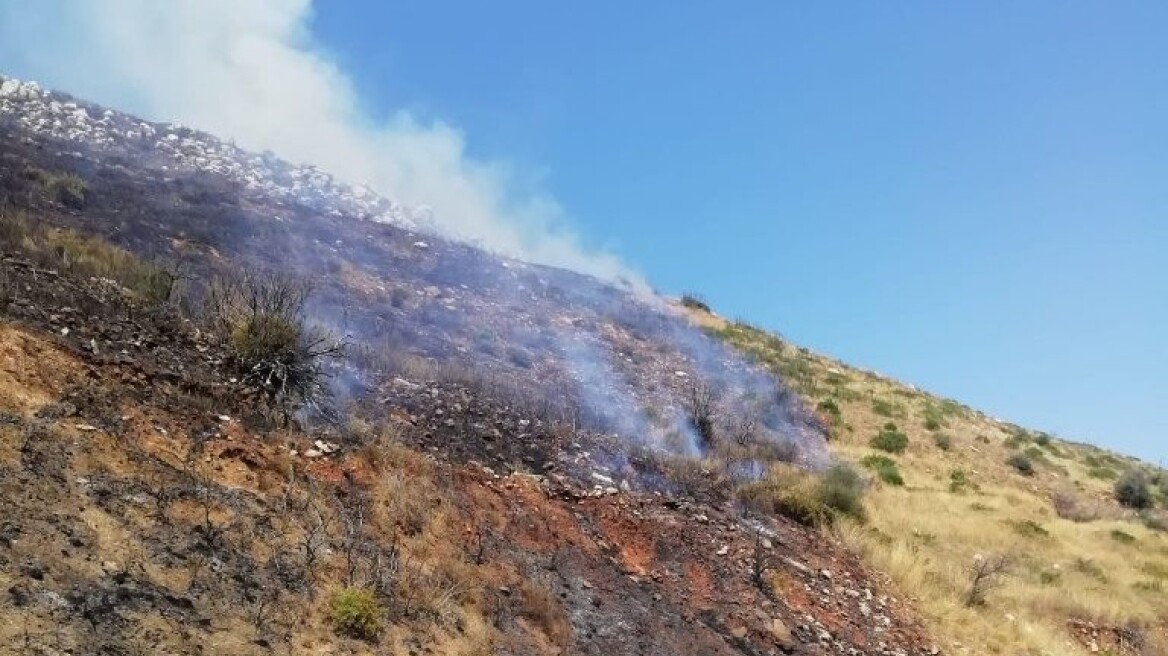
[[890, 440], [1021, 464], [805, 498], [1030, 529], [958, 481], [886, 408], [830, 408], [885, 468], [1132, 490], [934, 418], [68, 188], [1103, 473], [841, 488], [355, 612], [943, 441], [1089, 568], [1122, 537]]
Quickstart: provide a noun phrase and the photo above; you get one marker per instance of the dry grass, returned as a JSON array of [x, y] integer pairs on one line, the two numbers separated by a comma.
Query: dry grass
[[82, 255], [962, 499]]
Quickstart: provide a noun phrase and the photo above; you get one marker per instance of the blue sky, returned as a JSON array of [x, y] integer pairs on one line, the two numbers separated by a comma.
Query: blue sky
[[969, 197]]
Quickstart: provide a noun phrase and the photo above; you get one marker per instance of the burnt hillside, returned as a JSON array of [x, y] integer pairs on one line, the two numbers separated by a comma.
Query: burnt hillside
[[594, 354], [511, 463]]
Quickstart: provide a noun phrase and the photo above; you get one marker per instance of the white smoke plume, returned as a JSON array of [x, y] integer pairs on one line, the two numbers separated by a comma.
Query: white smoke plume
[[249, 70]]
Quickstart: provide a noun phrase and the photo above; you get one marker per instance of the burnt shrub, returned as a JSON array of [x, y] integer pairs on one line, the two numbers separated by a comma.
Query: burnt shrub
[[262, 320], [1132, 490], [702, 408], [694, 302]]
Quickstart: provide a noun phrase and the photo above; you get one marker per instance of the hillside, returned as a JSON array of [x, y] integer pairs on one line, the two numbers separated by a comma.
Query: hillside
[[1085, 574], [248, 408], [494, 458]]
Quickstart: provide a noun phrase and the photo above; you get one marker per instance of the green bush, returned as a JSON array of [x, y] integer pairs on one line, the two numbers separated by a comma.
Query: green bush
[[934, 418], [830, 408], [885, 468], [355, 612], [1021, 463], [885, 408], [890, 440], [958, 481], [805, 498], [842, 489], [1030, 529], [1103, 473], [943, 441], [1122, 537], [1132, 490], [1154, 521]]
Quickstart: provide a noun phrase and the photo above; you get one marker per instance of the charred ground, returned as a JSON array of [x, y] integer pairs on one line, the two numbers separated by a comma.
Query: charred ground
[[513, 467]]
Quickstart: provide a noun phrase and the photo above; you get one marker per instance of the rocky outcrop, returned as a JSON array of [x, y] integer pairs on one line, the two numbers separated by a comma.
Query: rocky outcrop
[[98, 132]]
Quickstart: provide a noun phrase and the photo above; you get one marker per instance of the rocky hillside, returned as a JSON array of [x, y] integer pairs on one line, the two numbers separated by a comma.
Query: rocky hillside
[[503, 458]]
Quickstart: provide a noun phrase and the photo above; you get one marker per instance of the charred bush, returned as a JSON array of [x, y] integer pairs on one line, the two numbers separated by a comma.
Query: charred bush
[[275, 352], [695, 302], [702, 408], [985, 574]]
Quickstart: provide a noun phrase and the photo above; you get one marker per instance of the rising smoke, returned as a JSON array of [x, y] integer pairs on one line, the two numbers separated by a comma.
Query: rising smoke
[[250, 71]]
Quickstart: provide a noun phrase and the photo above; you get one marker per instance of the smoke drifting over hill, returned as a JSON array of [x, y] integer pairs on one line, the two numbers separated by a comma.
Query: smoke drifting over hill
[[251, 72]]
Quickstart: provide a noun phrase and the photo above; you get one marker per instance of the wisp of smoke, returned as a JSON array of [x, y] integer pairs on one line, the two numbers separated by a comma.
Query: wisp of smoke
[[250, 71]]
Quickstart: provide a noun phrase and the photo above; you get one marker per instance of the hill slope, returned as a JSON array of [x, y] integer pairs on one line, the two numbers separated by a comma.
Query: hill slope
[[506, 459], [509, 459], [1085, 573]]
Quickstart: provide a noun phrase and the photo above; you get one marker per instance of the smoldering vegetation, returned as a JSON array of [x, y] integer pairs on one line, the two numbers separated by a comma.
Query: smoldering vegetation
[[567, 350]]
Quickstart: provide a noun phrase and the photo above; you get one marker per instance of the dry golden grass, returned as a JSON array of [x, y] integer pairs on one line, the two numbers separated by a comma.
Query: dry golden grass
[[961, 499]]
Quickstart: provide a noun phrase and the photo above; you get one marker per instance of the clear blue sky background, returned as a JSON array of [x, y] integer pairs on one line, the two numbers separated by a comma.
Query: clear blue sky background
[[972, 198]]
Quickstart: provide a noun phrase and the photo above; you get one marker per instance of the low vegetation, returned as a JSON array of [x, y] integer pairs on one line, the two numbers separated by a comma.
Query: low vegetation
[[1000, 521], [1132, 490], [65, 251], [262, 318], [890, 439], [355, 612], [810, 499], [885, 468], [694, 302]]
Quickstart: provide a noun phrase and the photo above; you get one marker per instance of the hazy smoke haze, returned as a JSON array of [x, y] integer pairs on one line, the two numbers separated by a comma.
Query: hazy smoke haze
[[250, 71]]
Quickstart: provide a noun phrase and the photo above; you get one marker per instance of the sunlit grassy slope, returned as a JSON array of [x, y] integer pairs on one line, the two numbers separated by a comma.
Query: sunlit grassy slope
[[1076, 554]]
